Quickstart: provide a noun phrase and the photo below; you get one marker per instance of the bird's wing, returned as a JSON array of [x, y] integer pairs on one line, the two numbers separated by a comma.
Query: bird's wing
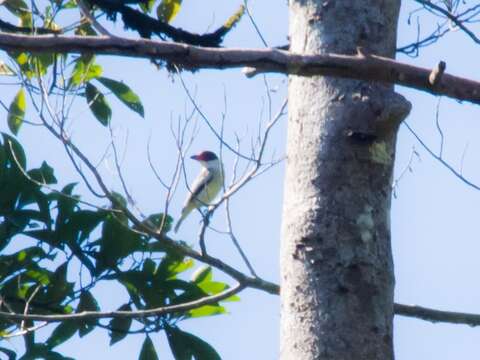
[[200, 183]]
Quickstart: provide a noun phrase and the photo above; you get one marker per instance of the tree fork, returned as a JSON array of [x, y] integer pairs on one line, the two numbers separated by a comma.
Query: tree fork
[[336, 261]]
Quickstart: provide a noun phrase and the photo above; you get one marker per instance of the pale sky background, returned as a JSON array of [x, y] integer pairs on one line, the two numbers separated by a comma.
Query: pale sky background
[[434, 216]]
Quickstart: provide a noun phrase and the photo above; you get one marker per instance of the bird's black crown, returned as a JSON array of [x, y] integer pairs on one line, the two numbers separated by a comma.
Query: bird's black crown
[[206, 156]]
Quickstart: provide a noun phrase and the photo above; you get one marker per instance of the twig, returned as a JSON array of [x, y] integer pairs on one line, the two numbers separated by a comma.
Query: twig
[[451, 17], [243, 181], [462, 160], [235, 241], [44, 185], [443, 162], [207, 121], [129, 196], [23, 331], [86, 12], [254, 24], [439, 128], [27, 304], [247, 281], [408, 167]]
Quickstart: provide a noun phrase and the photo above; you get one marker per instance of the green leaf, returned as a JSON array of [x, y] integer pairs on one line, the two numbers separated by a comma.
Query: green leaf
[[148, 267], [62, 333], [207, 310], [171, 265], [87, 303], [98, 104], [147, 6], [85, 70], [26, 19], [14, 151], [203, 274], [59, 288], [124, 94], [85, 29], [120, 326], [42, 62], [181, 266], [185, 345], [11, 355], [212, 287], [85, 221], [235, 18], [16, 111], [148, 350], [156, 221], [44, 174], [24, 61], [70, 4], [167, 10], [116, 243], [66, 206], [232, 298], [119, 202], [190, 292], [16, 7], [41, 276]]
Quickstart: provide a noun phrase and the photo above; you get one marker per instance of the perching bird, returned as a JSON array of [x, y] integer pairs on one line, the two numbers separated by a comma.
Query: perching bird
[[205, 187]]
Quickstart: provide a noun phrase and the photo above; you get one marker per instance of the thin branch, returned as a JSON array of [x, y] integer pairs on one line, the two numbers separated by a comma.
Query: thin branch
[[442, 161], [86, 12], [24, 331], [207, 121], [145, 228], [369, 68], [27, 305], [235, 241], [462, 160], [454, 19], [407, 168], [439, 128], [254, 24], [435, 316], [118, 168], [258, 162], [152, 167], [90, 315], [44, 185]]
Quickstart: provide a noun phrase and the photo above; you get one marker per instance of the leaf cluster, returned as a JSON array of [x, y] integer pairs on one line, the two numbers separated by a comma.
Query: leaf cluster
[[55, 251], [146, 26]]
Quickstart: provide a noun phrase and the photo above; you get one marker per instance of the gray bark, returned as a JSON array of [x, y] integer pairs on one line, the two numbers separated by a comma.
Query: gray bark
[[336, 262]]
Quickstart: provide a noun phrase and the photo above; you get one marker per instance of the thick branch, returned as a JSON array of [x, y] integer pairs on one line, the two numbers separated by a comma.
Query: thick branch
[[362, 67], [437, 315]]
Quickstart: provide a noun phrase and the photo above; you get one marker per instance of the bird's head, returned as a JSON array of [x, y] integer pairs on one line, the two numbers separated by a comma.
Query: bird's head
[[207, 159]]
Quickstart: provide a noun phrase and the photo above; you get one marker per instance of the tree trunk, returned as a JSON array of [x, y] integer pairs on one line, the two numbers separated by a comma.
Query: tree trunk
[[336, 261]]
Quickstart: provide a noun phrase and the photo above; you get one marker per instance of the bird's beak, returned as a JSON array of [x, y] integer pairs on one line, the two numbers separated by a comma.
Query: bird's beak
[[194, 157]]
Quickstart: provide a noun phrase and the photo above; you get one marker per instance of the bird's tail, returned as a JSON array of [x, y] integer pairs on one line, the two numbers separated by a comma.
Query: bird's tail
[[185, 212], [179, 222]]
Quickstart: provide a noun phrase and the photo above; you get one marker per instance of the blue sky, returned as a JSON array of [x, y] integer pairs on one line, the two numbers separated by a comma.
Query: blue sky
[[434, 216]]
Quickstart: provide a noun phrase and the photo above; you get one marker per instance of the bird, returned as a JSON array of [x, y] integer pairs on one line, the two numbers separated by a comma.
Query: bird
[[205, 187]]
